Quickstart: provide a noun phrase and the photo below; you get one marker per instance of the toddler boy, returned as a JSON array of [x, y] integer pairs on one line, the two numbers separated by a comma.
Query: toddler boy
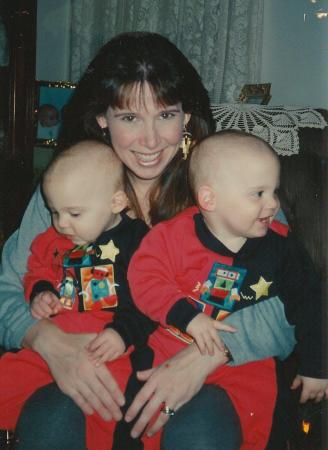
[[200, 266], [77, 276]]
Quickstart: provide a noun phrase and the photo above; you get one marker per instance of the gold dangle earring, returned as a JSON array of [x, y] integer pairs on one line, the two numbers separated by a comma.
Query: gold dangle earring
[[186, 143]]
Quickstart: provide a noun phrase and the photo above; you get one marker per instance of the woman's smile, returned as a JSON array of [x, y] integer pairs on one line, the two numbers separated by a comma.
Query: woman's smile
[[147, 159]]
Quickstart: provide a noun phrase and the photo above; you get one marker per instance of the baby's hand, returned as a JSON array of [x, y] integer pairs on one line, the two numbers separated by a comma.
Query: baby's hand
[[204, 330], [312, 388], [107, 346], [45, 304]]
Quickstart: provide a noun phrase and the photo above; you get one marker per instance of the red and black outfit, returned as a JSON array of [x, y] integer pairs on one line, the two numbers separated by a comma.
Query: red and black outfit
[[181, 269], [91, 282]]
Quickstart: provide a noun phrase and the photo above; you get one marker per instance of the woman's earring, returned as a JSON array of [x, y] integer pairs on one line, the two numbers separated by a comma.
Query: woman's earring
[[186, 143], [105, 132]]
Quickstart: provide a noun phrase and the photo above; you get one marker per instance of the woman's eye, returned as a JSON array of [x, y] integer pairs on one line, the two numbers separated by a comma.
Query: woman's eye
[[75, 214], [259, 193], [129, 118], [167, 115]]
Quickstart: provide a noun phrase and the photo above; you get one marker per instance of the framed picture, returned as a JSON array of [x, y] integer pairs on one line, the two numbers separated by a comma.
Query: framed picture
[[52, 97], [258, 94]]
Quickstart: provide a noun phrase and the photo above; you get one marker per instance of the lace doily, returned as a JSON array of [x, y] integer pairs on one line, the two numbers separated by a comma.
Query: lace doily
[[277, 125]]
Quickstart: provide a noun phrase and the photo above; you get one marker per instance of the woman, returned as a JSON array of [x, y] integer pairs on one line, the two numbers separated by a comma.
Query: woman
[[139, 94]]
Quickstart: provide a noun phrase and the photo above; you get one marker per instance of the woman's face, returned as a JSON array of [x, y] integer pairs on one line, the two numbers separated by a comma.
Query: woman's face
[[145, 136]]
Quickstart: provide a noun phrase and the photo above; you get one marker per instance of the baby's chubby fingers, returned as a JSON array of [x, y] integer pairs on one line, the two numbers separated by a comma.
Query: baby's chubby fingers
[[216, 340], [45, 304], [210, 342], [202, 344], [219, 325], [106, 355], [312, 388], [296, 382], [40, 311], [94, 345], [55, 305]]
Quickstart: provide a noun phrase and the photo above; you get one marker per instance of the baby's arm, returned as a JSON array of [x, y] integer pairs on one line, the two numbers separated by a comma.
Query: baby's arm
[[312, 388], [107, 346], [45, 304], [44, 273], [204, 330]]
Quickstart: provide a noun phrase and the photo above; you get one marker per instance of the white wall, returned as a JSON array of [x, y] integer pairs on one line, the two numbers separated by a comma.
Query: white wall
[[295, 53]]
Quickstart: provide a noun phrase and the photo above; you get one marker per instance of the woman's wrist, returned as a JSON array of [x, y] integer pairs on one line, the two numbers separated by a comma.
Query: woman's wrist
[[42, 336], [206, 363]]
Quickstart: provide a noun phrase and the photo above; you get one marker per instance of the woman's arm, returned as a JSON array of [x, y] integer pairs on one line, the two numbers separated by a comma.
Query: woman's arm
[[15, 317], [93, 389], [262, 332]]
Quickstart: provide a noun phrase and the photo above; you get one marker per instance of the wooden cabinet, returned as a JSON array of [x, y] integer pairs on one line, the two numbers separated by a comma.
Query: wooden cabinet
[[17, 85]]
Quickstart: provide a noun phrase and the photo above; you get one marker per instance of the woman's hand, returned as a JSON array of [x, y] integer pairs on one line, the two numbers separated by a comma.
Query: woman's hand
[[92, 388], [173, 383]]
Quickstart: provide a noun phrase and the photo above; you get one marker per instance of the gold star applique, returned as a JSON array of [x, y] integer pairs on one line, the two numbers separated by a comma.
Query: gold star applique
[[261, 287], [109, 251]]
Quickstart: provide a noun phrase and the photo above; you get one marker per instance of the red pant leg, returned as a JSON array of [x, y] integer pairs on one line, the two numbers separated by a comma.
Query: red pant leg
[[20, 375], [252, 389], [152, 443], [24, 372]]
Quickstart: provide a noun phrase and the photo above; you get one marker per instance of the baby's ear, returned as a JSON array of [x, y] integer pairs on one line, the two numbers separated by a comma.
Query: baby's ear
[[119, 202], [206, 198]]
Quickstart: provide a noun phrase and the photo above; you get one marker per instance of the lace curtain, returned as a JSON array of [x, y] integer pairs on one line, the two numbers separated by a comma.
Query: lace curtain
[[222, 38]]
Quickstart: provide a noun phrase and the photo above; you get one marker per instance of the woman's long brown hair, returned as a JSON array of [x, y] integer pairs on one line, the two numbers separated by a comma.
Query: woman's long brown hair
[[128, 60]]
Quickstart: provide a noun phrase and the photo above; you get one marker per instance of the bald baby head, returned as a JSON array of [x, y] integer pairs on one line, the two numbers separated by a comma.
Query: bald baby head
[[235, 178], [83, 188], [87, 162], [224, 154]]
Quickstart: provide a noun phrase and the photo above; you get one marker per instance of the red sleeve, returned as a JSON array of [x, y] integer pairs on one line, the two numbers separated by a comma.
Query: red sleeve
[[44, 262], [152, 273]]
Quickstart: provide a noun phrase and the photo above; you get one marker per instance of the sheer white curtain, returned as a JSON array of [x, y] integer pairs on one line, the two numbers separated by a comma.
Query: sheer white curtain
[[222, 38]]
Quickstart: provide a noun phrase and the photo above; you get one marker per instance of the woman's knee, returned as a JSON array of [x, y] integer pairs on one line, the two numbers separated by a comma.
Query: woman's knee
[[207, 422], [50, 420]]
